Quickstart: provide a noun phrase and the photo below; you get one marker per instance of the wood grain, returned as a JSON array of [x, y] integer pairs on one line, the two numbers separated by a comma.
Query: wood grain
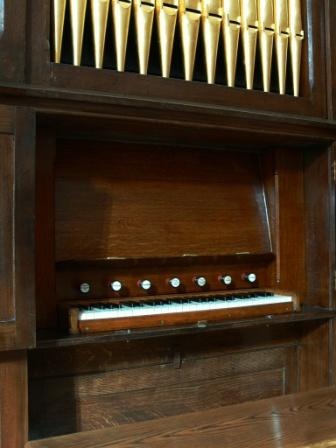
[[320, 222], [45, 228], [286, 421], [13, 400], [191, 382], [159, 270], [7, 119], [154, 201], [17, 234], [13, 42], [7, 170]]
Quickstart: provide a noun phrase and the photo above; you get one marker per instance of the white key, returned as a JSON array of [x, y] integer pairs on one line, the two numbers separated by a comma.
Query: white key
[[184, 307]]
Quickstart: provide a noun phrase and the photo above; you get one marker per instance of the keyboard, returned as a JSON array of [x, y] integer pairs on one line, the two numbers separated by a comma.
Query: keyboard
[[153, 312]]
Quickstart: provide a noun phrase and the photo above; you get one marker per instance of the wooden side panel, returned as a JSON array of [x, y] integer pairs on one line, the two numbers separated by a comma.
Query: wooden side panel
[[314, 357], [13, 42], [7, 174], [330, 62], [17, 199], [45, 222], [319, 227], [290, 247], [13, 400]]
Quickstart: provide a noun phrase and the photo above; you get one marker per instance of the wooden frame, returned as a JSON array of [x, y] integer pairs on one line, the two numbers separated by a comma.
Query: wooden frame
[[13, 42], [106, 82], [17, 326]]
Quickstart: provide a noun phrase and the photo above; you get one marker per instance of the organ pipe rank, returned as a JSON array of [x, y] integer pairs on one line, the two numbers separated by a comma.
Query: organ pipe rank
[[257, 23]]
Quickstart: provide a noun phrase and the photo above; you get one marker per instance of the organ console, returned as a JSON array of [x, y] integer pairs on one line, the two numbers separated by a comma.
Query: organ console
[[263, 20], [174, 310], [128, 289]]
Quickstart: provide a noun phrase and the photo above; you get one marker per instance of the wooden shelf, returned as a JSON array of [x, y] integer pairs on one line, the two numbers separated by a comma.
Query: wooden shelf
[[46, 339], [164, 261]]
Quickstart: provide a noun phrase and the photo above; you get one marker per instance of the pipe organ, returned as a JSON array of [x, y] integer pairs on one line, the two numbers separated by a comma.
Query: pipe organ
[[167, 221], [230, 31]]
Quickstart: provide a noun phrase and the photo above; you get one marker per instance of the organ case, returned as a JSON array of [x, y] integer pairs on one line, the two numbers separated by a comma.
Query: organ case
[[82, 382]]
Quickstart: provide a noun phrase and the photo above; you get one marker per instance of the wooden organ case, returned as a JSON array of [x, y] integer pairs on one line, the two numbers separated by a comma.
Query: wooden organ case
[[168, 230]]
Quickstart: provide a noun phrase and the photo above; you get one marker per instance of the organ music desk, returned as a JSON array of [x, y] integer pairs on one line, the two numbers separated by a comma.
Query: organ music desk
[[305, 420]]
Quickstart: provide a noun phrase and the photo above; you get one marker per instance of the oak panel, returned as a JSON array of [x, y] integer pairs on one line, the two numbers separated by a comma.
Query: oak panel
[[185, 381], [7, 176], [283, 421], [122, 201], [13, 400]]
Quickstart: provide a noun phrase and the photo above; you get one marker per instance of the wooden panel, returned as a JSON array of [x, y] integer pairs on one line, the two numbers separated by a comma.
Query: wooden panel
[[7, 168], [99, 276], [83, 360], [81, 388], [79, 358], [7, 119], [330, 61], [56, 417], [320, 227], [315, 357], [13, 42], [157, 202], [13, 400], [19, 272], [290, 422], [45, 224], [290, 248]]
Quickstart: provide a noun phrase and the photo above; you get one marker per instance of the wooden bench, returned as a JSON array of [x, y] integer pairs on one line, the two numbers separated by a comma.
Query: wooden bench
[[298, 420]]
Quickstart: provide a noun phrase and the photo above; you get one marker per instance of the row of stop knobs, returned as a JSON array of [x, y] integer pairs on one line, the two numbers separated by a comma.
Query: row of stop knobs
[[175, 282]]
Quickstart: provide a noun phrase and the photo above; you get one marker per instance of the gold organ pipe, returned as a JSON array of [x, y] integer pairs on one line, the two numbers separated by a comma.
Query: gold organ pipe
[[296, 38], [99, 11], [212, 14], [121, 14], [231, 32], [189, 17], [281, 40], [266, 35], [249, 16], [166, 14], [59, 14], [144, 15], [276, 23], [77, 12]]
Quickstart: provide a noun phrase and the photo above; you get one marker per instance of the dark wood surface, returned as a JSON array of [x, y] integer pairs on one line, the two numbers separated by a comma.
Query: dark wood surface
[[299, 420], [145, 201], [17, 231], [82, 387], [13, 399], [24, 245], [330, 62], [7, 303], [13, 42]]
